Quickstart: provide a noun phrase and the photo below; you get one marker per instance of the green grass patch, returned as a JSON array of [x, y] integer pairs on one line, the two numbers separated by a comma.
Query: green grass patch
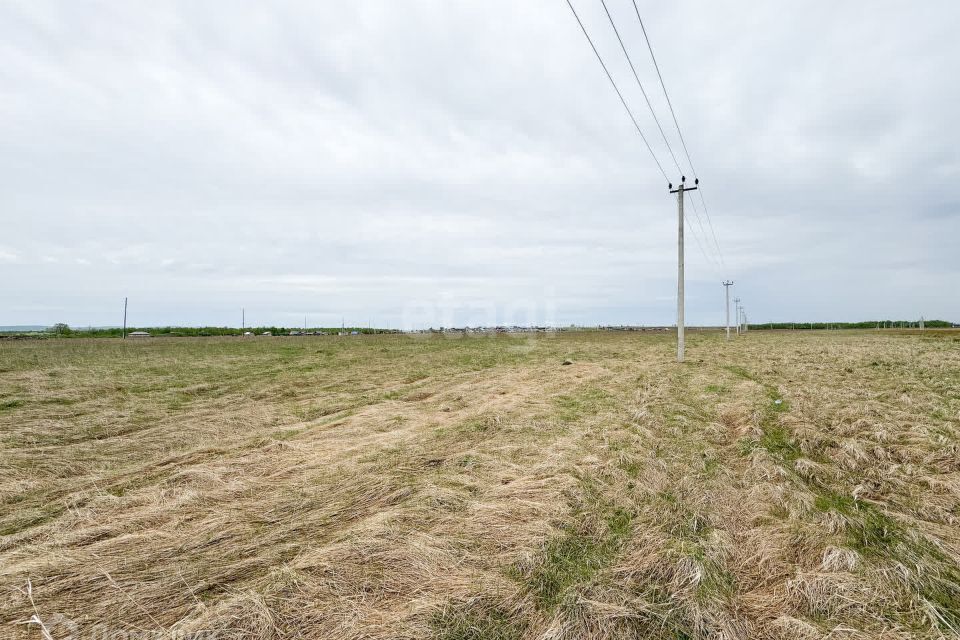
[[631, 467], [416, 376], [746, 446], [941, 590], [869, 531], [285, 434], [24, 519], [585, 402], [877, 536], [477, 620], [479, 424], [741, 372], [314, 411], [122, 488], [10, 404], [59, 400], [776, 439], [576, 555]]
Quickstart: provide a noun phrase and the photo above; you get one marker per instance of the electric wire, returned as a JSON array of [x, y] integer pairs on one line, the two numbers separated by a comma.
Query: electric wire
[[620, 95], [692, 229], [696, 214], [679, 132], [663, 134], [697, 239], [640, 84]]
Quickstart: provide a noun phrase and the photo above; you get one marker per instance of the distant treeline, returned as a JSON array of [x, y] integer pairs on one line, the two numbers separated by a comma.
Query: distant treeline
[[64, 330], [870, 324]]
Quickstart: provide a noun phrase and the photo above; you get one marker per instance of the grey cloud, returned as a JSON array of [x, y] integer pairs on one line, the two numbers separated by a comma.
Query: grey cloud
[[349, 158]]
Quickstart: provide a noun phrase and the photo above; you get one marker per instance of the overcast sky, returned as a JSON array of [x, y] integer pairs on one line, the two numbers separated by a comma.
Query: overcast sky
[[426, 163]]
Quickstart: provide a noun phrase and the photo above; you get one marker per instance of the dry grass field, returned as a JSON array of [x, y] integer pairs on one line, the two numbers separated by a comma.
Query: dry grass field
[[791, 485]]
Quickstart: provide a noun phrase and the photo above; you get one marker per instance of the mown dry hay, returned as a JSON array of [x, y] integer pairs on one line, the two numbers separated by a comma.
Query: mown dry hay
[[780, 486]]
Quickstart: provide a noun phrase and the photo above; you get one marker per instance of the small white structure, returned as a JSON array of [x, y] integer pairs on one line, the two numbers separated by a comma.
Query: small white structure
[[138, 334]]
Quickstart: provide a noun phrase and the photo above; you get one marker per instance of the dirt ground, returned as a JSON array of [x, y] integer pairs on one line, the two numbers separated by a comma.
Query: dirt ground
[[780, 485]]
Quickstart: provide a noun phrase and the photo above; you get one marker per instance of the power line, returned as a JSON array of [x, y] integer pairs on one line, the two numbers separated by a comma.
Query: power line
[[640, 84], [637, 126], [696, 213], [677, 125], [662, 85], [663, 135], [693, 231], [710, 224], [620, 95]]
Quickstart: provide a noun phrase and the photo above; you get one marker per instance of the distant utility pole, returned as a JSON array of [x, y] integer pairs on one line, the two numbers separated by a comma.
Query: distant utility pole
[[243, 319], [736, 309], [124, 318], [679, 191], [726, 289], [921, 323]]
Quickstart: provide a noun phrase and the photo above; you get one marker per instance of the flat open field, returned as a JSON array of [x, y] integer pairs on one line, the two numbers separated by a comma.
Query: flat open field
[[782, 485]]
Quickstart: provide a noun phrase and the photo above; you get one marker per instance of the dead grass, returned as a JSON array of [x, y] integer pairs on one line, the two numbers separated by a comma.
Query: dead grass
[[778, 486]]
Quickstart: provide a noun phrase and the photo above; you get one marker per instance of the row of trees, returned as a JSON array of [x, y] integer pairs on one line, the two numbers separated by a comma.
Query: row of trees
[[870, 324]]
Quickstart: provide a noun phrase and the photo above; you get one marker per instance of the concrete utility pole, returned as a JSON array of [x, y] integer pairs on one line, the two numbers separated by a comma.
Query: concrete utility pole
[[124, 318], [726, 288], [243, 319], [679, 191], [921, 323], [736, 309]]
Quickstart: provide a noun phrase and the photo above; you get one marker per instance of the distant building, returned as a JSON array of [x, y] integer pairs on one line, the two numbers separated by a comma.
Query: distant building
[[138, 334]]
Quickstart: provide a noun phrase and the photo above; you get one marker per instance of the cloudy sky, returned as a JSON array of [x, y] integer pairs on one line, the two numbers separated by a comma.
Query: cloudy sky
[[424, 163]]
